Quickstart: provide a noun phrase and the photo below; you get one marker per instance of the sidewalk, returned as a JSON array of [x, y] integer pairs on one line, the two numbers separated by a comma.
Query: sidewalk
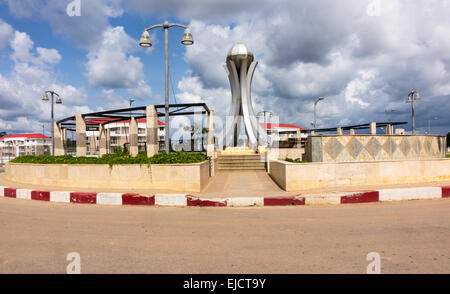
[[231, 185]]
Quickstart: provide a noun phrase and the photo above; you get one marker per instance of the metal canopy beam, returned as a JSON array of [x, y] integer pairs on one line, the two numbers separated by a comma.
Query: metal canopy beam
[[358, 127]]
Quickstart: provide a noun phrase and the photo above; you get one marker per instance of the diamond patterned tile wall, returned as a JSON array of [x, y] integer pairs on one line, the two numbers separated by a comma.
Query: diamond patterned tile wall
[[332, 148]]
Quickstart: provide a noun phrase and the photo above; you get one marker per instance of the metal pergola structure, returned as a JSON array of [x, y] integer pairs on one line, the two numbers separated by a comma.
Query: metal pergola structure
[[93, 120], [357, 127]]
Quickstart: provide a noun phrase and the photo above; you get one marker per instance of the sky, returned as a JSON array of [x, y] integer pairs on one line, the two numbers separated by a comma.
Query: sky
[[363, 56]]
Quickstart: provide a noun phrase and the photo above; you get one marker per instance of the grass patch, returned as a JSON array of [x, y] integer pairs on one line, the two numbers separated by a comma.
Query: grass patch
[[115, 159], [298, 160], [448, 155]]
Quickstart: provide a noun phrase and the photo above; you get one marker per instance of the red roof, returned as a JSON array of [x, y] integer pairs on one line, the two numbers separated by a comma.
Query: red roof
[[27, 136], [105, 120], [278, 126], [98, 121]]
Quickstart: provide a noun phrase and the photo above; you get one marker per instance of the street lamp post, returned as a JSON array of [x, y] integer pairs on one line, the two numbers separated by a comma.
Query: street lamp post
[[429, 125], [315, 106], [131, 100], [413, 95], [145, 42], [264, 113], [386, 113], [58, 101]]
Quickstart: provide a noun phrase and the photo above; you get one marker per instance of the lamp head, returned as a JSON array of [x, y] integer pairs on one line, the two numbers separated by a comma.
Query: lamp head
[[187, 39], [58, 101], [145, 40], [416, 96], [45, 97]]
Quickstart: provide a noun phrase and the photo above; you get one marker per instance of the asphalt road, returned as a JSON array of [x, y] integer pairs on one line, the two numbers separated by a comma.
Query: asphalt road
[[411, 237]]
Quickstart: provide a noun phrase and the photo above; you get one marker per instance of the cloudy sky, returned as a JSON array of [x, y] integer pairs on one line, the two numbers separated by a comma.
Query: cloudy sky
[[364, 56]]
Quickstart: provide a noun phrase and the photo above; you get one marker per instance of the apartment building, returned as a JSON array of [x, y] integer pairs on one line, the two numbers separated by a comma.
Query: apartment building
[[12, 146], [119, 136]]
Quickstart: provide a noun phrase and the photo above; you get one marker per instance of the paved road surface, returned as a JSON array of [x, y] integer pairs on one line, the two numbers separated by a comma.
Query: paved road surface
[[411, 237]]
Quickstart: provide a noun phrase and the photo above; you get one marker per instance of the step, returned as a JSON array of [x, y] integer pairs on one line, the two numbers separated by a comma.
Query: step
[[240, 157], [258, 164], [241, 160], [240, 168]]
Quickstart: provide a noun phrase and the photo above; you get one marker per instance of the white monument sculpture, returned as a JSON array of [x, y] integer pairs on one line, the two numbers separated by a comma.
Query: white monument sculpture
[[240, 68]]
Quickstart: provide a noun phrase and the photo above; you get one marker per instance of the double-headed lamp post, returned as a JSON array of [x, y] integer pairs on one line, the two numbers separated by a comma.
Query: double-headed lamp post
[[314, 124], [413, 95], [429, 125], [145, 41], [265, 113], [58, 101]]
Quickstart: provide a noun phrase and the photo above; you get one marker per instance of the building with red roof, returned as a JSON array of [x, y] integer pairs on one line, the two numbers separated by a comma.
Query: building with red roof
[[118, 134], [15, 145]]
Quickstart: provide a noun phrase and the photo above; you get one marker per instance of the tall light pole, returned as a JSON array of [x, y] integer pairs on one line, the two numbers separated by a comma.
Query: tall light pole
[[413, 95], [386, 113], [314, 124], [131, 100], [429, 124], [58, 101], [145, 41], [265, 113]]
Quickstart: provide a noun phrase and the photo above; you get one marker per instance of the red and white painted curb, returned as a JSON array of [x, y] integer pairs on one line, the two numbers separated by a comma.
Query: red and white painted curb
[[183, 200]]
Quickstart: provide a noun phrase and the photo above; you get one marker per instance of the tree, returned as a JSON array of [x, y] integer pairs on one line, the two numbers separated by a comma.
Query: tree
[[448, 139], [195, 131]]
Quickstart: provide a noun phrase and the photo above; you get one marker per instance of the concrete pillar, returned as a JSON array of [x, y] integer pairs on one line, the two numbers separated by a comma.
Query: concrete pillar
[[81, 135], [64, 137], [134, 149], [339, 132], [352, 132], [59, 139], [210, 146], [152, 131], [389, 130], [102, 140], [298, 138], [373, 128]]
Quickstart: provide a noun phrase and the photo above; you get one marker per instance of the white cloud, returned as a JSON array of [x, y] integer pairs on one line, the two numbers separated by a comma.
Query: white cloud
[[112, 100], [84, 30], [21, 107], [6, 33], [110, 65]]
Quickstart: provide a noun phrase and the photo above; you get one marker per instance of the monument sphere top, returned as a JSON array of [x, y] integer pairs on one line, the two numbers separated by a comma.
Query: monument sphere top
[[240, 52]]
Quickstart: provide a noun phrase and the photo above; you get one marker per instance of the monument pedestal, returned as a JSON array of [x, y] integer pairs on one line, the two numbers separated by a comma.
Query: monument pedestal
[[244, 150]]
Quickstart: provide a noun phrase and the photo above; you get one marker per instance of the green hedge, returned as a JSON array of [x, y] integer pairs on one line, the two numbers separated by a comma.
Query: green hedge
[[298, 160], [114, 159]]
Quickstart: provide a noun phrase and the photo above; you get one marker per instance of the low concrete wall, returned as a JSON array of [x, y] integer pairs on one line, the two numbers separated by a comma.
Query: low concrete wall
[[295, 177], [361, 148], [283, 153], [177, 177]]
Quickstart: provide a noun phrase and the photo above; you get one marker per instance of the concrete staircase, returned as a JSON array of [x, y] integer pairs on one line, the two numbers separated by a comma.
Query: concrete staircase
[[254, 162]]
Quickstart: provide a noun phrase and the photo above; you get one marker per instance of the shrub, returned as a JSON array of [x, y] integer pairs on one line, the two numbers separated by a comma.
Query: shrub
[[115, 159], [298, 160]]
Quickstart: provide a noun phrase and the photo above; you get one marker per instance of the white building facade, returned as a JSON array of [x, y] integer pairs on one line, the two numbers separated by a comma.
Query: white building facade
[[12, 146]]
